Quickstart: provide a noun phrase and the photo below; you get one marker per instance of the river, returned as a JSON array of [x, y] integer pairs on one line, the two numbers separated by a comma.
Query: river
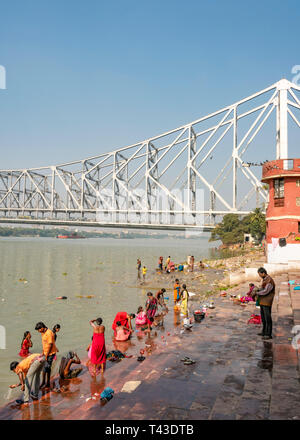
[[34, 271]]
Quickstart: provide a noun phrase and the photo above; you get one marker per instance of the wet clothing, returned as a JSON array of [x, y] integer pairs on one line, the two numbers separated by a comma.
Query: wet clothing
[[141, 318], [152, 308], [72, 373], [160, 263], [184, 303], [98, 352], [122, 334], [123, 318], [176, 292], [25, 348]]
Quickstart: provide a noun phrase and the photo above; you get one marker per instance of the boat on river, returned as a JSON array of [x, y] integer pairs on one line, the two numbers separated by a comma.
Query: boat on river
[[73, 235]]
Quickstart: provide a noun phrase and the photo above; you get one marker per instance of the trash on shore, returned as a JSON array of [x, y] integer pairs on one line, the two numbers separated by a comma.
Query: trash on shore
[[61, 297], [23, 280], [188, 361], [255, 319], [199, 315], [85, 296], [64, 273]]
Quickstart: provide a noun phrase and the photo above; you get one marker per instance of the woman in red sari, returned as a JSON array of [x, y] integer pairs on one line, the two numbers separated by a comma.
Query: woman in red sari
[[26, 344], [98, 351], [124, 319]]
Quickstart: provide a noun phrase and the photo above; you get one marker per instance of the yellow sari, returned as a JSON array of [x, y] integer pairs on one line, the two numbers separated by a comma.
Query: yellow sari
[[184, 303]]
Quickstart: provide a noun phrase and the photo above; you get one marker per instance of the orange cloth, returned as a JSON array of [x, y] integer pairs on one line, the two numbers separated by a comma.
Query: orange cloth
[[176, 292], [48, 339], [24, 365]]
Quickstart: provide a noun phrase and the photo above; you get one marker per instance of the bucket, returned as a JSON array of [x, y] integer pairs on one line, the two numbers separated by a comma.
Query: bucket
[[198, 315]]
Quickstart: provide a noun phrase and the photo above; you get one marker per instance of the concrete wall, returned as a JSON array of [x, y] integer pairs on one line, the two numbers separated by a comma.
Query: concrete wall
[[288, 253]]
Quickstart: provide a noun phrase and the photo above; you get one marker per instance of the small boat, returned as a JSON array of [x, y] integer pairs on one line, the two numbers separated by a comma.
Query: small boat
[[73, 235]]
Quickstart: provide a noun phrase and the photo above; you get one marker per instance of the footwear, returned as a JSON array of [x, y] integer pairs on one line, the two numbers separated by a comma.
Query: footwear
[[19, 401], [267, 337], [186, 358], [189, 362], [34, 396], [260, 334]]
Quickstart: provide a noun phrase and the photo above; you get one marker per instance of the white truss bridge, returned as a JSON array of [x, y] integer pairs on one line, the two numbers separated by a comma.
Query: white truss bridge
[[168, 181]]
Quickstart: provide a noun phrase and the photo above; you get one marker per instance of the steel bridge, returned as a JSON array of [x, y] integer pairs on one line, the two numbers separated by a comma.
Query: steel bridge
[[167, 181]]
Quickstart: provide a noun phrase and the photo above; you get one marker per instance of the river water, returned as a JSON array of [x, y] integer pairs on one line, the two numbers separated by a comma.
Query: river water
[[47, 268]]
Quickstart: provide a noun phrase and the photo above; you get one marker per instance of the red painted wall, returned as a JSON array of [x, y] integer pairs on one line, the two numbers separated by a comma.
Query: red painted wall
[[282, 227]]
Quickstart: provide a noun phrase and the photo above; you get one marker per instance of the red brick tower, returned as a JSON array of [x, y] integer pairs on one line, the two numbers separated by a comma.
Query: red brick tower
[[283, 210]]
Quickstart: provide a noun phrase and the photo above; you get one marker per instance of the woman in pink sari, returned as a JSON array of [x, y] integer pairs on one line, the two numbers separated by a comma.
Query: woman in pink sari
[[98, 350], [151, 305]]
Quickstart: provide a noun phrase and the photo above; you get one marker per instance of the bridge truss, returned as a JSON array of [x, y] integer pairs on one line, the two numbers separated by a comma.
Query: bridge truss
[[162, 180]]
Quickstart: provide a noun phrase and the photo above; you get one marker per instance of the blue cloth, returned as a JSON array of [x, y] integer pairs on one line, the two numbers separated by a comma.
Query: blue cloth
[[180, 268], [292, 282], [107, 393], [297, 288]]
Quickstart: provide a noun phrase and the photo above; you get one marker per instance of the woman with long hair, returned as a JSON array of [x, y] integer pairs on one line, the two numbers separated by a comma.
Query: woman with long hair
[[26, 344], [98, 351]]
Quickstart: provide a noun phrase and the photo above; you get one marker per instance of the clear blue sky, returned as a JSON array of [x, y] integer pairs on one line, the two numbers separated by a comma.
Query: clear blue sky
[[85, 77]]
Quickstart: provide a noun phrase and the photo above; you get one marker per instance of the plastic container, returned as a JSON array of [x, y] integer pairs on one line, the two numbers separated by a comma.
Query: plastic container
[[198, 315]]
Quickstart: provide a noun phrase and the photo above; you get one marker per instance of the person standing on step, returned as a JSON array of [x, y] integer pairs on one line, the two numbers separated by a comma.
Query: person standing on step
[[49, 351], [266, 296]]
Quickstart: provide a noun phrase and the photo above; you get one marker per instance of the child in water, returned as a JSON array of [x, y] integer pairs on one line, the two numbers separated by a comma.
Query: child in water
[[26, 343], [144, 271]]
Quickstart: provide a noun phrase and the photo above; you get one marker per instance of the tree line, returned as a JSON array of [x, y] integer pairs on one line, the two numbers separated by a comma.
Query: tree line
[[232, 228]]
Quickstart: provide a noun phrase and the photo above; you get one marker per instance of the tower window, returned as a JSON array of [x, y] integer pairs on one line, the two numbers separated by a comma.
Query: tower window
[[298, 182], [297, 201], [278, 188]]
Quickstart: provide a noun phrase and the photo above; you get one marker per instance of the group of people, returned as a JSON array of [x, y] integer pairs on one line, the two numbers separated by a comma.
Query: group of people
[[181, 296], [34, 365], [140, 270]]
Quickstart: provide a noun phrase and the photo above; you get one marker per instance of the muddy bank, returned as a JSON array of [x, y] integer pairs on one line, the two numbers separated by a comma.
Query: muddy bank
[[203, 282]]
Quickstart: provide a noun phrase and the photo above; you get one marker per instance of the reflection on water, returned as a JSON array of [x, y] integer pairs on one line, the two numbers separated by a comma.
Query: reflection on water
[[34, 271]]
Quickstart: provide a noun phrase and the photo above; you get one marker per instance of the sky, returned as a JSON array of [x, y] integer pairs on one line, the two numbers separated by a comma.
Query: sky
[[87, 77]]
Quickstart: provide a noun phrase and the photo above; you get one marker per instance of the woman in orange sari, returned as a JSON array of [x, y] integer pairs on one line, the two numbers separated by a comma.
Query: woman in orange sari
[[98, 351]]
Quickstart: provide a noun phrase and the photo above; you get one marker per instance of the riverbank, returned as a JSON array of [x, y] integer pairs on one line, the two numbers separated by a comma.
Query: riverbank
[[237, 375]]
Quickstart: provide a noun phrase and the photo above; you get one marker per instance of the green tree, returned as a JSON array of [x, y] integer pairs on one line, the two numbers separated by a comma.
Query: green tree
[[232, 228]]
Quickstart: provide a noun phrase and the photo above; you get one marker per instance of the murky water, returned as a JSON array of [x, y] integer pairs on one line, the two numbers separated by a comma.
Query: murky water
[[105, 268]]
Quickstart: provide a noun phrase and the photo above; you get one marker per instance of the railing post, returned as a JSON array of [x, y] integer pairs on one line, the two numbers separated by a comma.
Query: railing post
[[282, 120], [234, 159]]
